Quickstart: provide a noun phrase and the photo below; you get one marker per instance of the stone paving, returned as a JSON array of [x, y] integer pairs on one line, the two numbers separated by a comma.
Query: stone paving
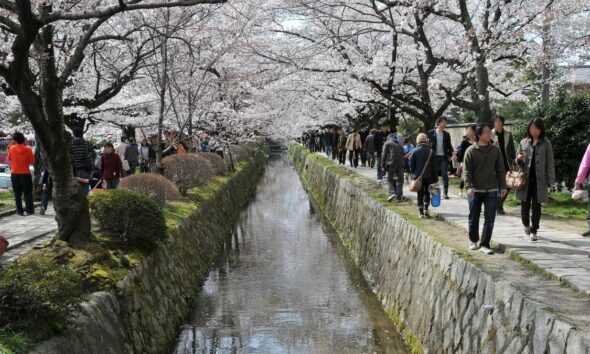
[[564, 254], [26, 232]]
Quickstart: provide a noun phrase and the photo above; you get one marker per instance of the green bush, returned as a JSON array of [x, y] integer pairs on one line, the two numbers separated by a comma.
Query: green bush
[[152, 185], [132, 216], [187, 171], [567, 119], [38, 295]]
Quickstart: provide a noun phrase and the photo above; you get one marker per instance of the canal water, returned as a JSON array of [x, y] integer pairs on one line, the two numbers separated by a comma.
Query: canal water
[[285, 284]]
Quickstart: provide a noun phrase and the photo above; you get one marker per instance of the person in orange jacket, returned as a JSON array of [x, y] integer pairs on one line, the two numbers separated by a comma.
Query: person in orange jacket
[[21, 157]]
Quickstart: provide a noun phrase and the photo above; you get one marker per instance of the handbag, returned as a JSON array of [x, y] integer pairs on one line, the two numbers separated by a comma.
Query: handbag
[[516, 179], [416, 184], [3, 245]]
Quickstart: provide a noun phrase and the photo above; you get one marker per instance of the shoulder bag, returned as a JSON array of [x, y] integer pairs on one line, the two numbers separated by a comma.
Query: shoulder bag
[[516, 179]]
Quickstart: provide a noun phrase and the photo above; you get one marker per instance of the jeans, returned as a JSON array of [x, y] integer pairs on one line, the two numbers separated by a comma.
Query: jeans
[[395, 179], [424, 195], [22, 185], [379, 170], [442, 164], [81, 173], [527, 205], [112, 183], [371, 159], [342, 156], [328, 150], [490, 203]]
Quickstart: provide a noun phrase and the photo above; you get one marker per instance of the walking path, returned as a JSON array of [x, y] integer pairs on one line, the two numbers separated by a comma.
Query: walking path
[[26, 232], [562, 253]]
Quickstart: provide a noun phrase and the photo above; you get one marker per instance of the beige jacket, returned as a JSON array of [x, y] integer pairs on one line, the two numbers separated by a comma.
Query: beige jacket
[[354, 142]]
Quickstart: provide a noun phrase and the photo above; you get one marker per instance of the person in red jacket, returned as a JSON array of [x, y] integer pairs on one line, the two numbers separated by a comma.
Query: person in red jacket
[[111, 167], [21, 157]]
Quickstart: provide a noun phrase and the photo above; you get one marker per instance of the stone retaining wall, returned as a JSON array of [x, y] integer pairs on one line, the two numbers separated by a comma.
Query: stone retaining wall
[[153, 300], [442, 302]]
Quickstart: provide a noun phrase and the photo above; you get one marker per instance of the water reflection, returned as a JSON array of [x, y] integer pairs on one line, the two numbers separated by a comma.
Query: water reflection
[[284, 286]]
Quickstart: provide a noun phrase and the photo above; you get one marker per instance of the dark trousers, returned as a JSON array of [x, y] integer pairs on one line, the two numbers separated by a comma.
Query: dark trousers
[[363, 157], [371, 159], [442, 164], [531, 203], [334, 152], [342, 156], [490, 202], [502, 200], [132, 167], [112, 183], [353, 157], [395, 180], [22, 185], [424, 195]]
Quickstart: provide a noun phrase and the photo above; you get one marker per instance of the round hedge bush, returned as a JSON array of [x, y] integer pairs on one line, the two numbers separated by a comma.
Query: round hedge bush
[[39, 294], [239, 153], [135, 218], [187, 171], [152, 185], [216, 162]]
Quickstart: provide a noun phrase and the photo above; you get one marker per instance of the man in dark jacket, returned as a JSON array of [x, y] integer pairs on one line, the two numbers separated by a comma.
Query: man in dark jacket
[[364, 134], [443, 150], [503, 139], [328, 137], [132, 156], [485, 180], [82, 158], [392, 162], [379, 140]]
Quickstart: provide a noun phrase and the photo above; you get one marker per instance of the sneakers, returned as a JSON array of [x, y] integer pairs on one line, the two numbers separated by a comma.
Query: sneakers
[[42, 211], [586, 234], [533, 236], [427, 214], [486, 250], [446, 196], [391, 197], [527, 231], [473, 246], [501, 212]]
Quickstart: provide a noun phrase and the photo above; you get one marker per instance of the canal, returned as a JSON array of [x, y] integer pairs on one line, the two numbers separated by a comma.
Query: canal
[[285, 285]]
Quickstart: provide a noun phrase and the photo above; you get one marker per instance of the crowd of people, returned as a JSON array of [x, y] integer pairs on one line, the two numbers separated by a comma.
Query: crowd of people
[[482, 159], [94, 167]]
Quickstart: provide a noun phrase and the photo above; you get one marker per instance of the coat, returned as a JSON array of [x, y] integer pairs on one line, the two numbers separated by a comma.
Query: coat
[[392, 156], [447, 146], [370, 144], [545, 167], [354, 142], [508, 145], [418, 164]]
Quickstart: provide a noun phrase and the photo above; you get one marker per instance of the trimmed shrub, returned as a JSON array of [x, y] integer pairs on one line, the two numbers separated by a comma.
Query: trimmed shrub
[[153, 186], [238, 152], [39, 295], [187, 171], [216, 162], [132, 216]]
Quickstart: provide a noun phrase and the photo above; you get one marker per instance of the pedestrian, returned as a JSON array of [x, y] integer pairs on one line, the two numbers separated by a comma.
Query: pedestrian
[[364, 134], [369, 146], [379, 139], [83, 157], [354, 147], [21, 157], [146, 156], [535, 156], [443, 151], [503, 139], [408, 149], [334, 144], [46, 189], [341, 148], [468, 140], [328, 137], [422, 165], [583, 173], [111, 167], [485, 178], [392, 163], [132, 156]]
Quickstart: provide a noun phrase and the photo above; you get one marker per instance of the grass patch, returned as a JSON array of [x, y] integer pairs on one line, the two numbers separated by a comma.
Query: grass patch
[[561, 205], [6, 201], [13, 343]]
